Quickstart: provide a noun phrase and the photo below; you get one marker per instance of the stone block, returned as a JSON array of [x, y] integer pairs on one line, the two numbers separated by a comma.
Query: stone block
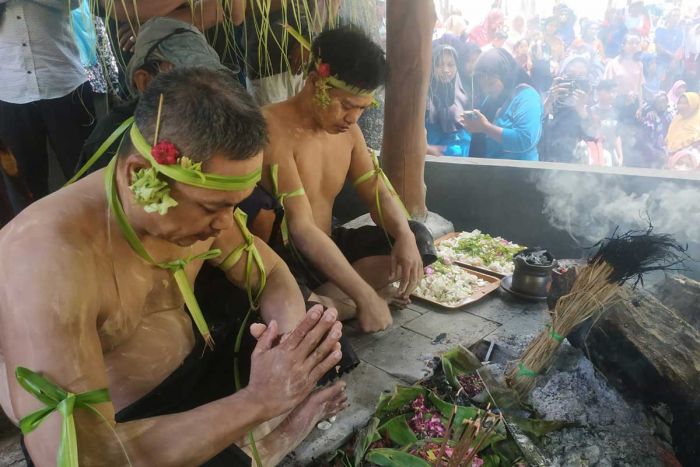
[[364, 384], [402, 353], [451, 328]]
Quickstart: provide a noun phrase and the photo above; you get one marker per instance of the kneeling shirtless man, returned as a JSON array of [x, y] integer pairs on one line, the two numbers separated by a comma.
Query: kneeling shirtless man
[[95, 278], [315, 146]]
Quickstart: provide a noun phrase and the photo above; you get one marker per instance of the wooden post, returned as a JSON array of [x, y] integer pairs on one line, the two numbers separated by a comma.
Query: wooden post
[[410, 26]]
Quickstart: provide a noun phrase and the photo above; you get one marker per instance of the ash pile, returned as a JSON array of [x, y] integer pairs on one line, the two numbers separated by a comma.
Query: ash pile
[[630, 380]]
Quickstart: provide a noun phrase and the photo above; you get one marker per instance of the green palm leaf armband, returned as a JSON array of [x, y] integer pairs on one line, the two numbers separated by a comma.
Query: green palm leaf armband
[[281, 198], [64, 402], [380, 176]]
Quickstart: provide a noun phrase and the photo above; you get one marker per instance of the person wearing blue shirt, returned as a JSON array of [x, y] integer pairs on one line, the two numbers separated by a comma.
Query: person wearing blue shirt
[[446, 102], [509, 122]]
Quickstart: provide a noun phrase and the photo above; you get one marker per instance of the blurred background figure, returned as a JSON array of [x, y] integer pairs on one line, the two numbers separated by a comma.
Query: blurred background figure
[[447, 100], [684, 132], [566, 115], [651, 142], [457, 26], [668, 42], [677, 90], [485, 32], [45, 97]]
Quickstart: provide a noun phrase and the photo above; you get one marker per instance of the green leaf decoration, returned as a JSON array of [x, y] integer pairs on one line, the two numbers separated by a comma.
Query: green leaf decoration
[[491, 460], [402, 395], [445, 408], [394, 458], [508, 452], [458, 361], [398, 431], [187, 163], [539, 428], [151, 192], [505, 398], [364, 440]]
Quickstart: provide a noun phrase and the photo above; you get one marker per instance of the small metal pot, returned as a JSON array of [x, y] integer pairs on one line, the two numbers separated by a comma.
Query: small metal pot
[[532, 279]]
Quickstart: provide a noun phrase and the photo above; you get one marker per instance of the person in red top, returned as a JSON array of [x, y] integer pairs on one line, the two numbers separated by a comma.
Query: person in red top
[[485, 32]]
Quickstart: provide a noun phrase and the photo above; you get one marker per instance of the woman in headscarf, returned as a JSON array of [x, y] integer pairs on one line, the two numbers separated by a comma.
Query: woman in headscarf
[[678, 89], [467, 53], [485, 32], [684, 132], [509, 123], [446, 103]]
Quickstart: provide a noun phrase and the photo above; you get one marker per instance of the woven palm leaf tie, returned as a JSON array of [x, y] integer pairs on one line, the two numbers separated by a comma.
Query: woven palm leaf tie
[[189, 177], [380, 176], [106, 144], [281, 198], [326, 80], [64, 402], [253, 258]]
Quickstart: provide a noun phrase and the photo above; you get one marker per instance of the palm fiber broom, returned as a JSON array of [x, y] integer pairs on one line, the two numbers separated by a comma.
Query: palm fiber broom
[[618, 259]]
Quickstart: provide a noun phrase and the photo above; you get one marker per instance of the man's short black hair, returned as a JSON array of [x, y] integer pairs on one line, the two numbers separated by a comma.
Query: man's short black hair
[[352, 57], [204, 112]]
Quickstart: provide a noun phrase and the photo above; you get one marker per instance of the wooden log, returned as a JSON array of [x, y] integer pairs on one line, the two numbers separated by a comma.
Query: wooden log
[[681, 294], [410, 26]]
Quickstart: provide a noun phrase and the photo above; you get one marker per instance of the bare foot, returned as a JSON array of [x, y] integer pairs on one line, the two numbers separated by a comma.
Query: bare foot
[[321, 404], [390, 294]]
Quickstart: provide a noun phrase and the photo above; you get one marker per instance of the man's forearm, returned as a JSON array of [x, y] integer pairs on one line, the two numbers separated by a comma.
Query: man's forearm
[[186, 438], [324, 254], [282, 300]]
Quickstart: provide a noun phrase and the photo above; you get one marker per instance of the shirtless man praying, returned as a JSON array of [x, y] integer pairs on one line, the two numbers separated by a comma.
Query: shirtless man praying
[[315, 146], [94, 282]]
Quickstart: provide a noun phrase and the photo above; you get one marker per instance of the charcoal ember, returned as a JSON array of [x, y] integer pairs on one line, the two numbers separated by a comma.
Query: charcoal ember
[[536, 256]]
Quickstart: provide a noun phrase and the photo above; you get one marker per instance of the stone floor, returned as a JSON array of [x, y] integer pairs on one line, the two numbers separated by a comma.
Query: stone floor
[[399, 356]]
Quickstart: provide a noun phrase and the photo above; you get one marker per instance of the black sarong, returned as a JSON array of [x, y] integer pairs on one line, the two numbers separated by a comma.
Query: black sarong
[[355, 244]]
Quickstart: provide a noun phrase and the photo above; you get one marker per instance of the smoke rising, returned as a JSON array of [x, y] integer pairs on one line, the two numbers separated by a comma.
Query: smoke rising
[[590, 207]]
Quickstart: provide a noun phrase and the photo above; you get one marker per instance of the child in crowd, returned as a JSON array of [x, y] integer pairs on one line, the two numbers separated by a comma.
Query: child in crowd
[[604, 120]]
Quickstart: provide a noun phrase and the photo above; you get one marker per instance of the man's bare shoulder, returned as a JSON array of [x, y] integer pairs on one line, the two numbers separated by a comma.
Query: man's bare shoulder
[[66, 224], [280, 116]]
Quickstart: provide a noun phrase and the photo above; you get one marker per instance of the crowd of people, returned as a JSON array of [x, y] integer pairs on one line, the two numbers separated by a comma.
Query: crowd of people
[[617, 91]]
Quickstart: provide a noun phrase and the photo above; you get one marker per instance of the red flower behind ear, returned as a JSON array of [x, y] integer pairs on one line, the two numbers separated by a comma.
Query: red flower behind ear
[[324, 70], [165, 153]]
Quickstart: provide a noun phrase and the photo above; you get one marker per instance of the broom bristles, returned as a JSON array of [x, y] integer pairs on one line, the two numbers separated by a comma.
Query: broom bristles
[[590, 294]]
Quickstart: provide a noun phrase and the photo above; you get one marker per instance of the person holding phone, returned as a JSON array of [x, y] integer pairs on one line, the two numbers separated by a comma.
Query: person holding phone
[[508, 124], [566, 122]]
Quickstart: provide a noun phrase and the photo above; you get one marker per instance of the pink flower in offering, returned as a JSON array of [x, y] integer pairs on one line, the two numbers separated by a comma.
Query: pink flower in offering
[[434, 427], [429, 271]]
